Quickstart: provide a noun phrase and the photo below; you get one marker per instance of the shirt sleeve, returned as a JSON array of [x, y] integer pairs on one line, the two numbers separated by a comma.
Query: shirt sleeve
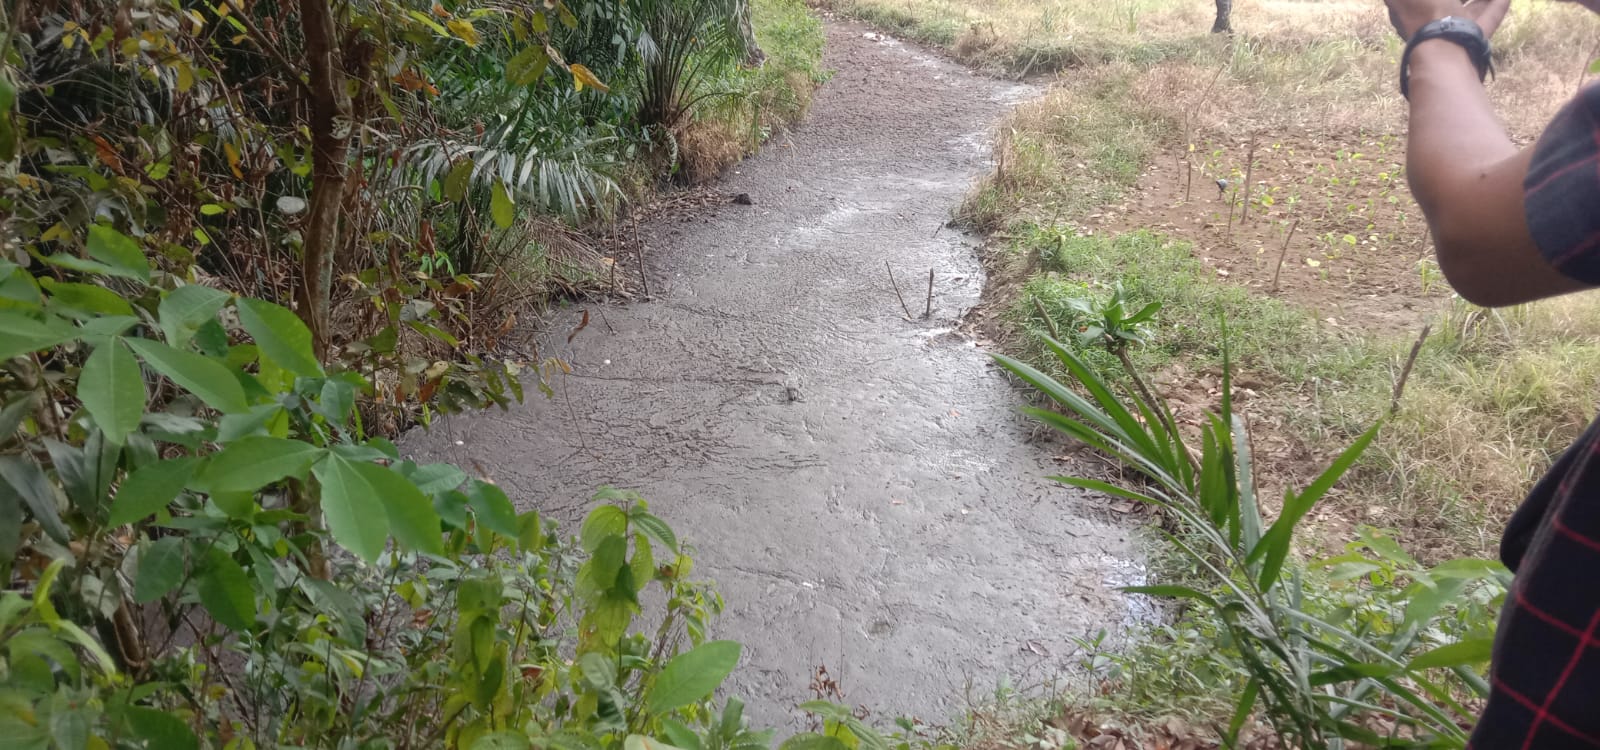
[[1562, 190]]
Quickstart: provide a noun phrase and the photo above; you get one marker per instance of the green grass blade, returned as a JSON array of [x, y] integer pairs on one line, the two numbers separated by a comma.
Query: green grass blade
[[1273, 549]]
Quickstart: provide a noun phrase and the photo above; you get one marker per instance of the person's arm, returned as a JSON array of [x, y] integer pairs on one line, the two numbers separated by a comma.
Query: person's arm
[[1465, 172]]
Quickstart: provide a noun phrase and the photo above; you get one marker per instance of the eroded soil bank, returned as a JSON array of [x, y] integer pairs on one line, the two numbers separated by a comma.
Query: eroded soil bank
[[859, 485]]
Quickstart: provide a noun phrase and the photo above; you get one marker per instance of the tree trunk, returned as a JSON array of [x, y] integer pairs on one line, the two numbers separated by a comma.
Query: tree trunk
[[330, 149], [753, 56], [1224, 11]]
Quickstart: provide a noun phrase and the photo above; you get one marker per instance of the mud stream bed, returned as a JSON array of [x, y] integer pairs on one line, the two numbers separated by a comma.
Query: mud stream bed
[[860, 486]]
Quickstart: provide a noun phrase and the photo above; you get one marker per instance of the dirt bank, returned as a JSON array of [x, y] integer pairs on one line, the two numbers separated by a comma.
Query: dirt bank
[[858, 484]]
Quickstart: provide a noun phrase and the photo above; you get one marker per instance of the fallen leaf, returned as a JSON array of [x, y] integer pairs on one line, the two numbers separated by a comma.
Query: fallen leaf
[[582, 324]]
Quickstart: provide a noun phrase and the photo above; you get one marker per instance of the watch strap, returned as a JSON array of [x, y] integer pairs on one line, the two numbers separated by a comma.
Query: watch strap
[[1461, 31]]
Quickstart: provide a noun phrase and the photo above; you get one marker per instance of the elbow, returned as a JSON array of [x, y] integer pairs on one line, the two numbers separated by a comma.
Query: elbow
[[1460, 260]]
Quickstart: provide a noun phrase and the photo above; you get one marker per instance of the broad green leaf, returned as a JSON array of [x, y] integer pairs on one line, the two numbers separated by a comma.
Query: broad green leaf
[[44, 500], [281, 335], [356, 517], [202, 376], [1465, 653], [255, 462], [501, 209], [225, 591], [502, 741], [656, 529], [457, 181], [91, 299], [684, 737], [84, 265], [107, 325], [599, 672], [257, 421], [1424, 599], [149, 489], [111, 387], [602, 523], [20, 334], [336, 401], [160, 570], [641, 742], [813, 741], [528, 66], [183, 310], [433, 479], [642, 567], [69, 725], [411, 514], [693, 675], [240, 505], [493, 509], [118, 251], [160, 729]]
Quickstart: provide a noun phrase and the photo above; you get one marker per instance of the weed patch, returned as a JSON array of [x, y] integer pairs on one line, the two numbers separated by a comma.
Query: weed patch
[[1198, 313]]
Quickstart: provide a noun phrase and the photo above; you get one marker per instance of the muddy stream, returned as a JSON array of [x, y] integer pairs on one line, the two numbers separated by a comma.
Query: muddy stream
[[860, 486]]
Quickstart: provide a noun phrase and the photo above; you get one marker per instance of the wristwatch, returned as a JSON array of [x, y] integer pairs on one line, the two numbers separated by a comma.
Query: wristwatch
[[1462, 31]]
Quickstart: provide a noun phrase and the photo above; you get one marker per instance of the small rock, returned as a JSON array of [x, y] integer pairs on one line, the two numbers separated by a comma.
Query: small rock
[[743, 199]]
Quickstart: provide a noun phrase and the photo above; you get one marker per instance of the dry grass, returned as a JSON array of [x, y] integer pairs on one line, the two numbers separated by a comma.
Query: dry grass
[[760, 101], [1495, 397]]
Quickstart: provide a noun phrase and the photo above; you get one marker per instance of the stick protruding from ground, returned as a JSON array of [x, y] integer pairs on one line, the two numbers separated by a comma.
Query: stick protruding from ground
[[1405, 372], [897, 293], [1282, 253]]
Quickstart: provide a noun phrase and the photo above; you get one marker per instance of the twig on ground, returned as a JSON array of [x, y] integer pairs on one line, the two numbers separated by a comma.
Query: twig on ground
[[897, 294], [1049, 322], [638, 250], [1282, 253], [928, 311], [1405, 372], [1249, 168]]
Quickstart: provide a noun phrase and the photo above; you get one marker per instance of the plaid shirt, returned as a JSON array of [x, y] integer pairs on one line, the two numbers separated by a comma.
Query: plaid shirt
[[1545, 679]]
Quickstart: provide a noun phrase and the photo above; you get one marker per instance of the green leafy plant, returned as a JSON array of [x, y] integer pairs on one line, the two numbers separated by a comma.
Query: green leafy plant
[[1385, 669], [203, 547]]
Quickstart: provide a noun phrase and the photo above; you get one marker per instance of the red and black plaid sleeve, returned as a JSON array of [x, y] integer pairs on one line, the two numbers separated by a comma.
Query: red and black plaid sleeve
[[1563, 189], [1545, 679]]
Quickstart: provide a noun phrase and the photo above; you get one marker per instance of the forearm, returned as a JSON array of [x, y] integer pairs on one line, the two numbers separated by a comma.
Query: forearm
[[1467, 176], [1455, 136]]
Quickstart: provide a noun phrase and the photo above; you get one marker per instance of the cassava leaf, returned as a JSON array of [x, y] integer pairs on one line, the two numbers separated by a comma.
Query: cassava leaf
[[111, 388], [202, 376], [281, 336], [149, 489]]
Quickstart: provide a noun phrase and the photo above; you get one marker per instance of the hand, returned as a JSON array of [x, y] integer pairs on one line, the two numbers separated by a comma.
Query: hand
[[1410, 15]]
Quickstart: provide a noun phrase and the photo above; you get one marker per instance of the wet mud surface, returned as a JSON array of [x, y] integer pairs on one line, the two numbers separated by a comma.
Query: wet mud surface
[[859, 485]]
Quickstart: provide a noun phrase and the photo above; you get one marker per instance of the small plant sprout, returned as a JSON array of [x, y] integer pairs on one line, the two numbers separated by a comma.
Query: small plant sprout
[[1428, 273]]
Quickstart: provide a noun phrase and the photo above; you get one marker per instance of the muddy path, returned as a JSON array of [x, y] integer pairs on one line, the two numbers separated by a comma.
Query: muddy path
[[859, 485]]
